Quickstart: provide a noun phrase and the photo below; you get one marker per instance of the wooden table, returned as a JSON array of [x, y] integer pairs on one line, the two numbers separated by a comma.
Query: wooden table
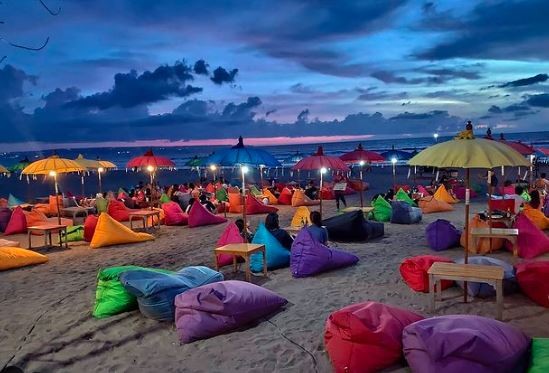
[[492, 275], [244, 250], [75, 210], [143, 215], [364, 209], [47, 230], [510, 234]]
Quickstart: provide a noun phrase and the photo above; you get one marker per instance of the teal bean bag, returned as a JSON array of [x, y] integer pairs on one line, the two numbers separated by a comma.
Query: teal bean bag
[[277, 256]]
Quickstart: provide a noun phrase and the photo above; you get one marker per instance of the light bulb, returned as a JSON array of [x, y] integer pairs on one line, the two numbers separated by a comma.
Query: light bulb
[[394, 160], [244, 169], [53, 173], [213, 167], [323, 170], [361, 163], [100, 169], [150, 168]]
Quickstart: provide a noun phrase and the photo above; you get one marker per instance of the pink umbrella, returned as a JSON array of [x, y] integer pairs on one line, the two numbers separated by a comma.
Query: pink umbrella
[[149, 159], [520, 147], [361, 156]]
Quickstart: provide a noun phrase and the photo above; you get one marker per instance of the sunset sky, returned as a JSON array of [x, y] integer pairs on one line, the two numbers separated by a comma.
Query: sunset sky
[[127, 70]]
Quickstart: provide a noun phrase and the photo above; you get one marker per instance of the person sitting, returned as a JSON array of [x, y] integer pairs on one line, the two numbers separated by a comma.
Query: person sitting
[[542, 184], [466, 134], [273, 226], [311, 190], [245, 233], [204, 201], [532, 210], [318, 232]]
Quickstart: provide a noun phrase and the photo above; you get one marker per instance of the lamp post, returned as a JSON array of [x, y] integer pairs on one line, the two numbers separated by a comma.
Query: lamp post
[[261, 166], [435, 135], [323, 170], [151, 173], [213, 168], [244, 170], [54, 175], [532, 156], [394, 162], [361, 164], [99, 171]]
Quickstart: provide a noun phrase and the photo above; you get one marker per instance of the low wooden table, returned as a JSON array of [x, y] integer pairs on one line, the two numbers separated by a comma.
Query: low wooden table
[[510, 234], [143, 215], [244, 250], [364, 209], [466, 272], [47, 230], [75, 211]]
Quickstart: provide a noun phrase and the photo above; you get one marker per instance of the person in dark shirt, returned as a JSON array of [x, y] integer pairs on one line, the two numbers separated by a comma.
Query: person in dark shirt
[[273, 226]]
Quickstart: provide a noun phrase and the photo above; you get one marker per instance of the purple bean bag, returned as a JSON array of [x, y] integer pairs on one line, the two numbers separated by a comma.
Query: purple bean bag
[[309, 257], [220, 307], [5, 215], [483, 290], [464, 344], [442, 235]]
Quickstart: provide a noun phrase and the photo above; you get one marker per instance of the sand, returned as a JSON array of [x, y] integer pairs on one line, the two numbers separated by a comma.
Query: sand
[[46, 325]]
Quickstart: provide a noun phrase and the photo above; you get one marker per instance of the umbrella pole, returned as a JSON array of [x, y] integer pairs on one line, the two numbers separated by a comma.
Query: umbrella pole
[[361, 190], [99, 177], [490, 207], [57, 199], [261, 177], [151, 201], [320, 192], [467, 236], [245, 233], [82, 181]]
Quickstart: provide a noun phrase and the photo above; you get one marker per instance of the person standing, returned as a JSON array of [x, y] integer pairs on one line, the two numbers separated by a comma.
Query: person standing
[[339, 190]]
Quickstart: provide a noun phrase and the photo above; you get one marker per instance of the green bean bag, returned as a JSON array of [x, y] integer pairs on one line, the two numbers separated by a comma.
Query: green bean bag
[[401, 195], [255, 191], [74, 233], [382, 210], [539, 359], [164, 198], [221, 195]]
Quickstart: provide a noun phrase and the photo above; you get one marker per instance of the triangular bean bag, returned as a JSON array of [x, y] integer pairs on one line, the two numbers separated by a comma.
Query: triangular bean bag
[[109, 232], [382, 210], [156, 291], [539, 358], [285, 197], [301, 218], [14, 201], [221, 195], [506, 204], [374, 229], [34, 218], [231, 234], [89, 227], [531, 241], [5, 215], [272, 198], [401, 195], [198, 216], [15, 257], [309, 257], [221, 307], [327, 193], [210, 188], [173, 215], [442, 235], [459, 192], [421, 189], [118, 211], [366, 337], [253, 206], [465, 343], [414, 272], [276, 255], [75, 233], [254, 191], [235, 203], [347, 227], [483, 290], [55, 203], [429, 205], [164, 198], [442, 195], [537, 217], [17, 223], [403, 213], [533, 279], [483, 244], [300, 199]]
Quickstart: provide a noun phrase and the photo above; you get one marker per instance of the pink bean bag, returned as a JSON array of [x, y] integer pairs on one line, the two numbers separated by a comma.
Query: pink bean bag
[[231, 234], [533, 279], [414, 272], [199, 216], [532, 242], [459, 192], [17, 223], [173, 215], [221, 307], [253, 206], [366, 337], [89, 227]]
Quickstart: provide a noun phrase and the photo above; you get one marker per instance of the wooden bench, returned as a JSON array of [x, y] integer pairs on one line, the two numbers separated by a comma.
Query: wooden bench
[[510, 234], [492, 275]]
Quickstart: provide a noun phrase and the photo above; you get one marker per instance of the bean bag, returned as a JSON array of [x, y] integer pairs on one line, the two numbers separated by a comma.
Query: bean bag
[[210, 188], [539, 358], [221, 195], [366, 337], [173, 215], [414, 272], [531, 241], [118, 211], [75, 233], [309, 257], [15, 257], [401, 195], [483, 244], [5, 215], [327, 193], [110, 296], [374, 229], [253, 206], [101, 204], [44, 208], [198, 216], [89, 227], [56, 204], [403, 213], [429, 205], [285, 197], [221, 307], [17, 223], [442, 235], [533, 279], [254, 191], [358, 185], [483, 290], [3, 203], [235, 203], [459, 192], [351, 227], [421, 189], [110, 232], [301, 218], [505, 205], [442, 195], [382, 210], [231, 234], [300, 199], [270, 196], [464, 343], [276, 255], [156, 291], [8, 243], [536, 216], [34, 218], [14, 201]]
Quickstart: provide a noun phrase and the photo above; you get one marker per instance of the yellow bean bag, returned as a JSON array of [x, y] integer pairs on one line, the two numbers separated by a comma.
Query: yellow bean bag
[[110, 232], [272, 199], [15, 257], [536, 216], [430, 204], [302, 215], [443, 195], [299, 198]]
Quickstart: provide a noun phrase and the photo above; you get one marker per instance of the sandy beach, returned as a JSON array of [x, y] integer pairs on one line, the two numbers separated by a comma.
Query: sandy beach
[[46, 323]]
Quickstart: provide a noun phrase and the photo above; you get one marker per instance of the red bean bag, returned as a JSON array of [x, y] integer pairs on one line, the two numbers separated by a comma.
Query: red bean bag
[[231, 234], [199, 216], [118, 211], [366, 337], [285, 197], [533, 279], [253, 206], [327, 193], [531, 240], [173, 215], [17, 223], [502, 205], [89, 227], [414, 272], [54, 205]]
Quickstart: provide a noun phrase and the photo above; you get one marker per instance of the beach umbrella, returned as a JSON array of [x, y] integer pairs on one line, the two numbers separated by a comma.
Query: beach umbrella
[[19, 166], [151, 163], [321, 162], [53, 166], [193, 163], [519, 146], [4, 170], [468, 153], [399, 155], [88, 164]]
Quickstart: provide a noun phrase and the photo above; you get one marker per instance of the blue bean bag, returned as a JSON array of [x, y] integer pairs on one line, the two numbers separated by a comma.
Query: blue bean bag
[[156, 291], [483, 290], [277, 255], [403, 213], [14, 201], [309, 257], [5, 216], [442, 235]]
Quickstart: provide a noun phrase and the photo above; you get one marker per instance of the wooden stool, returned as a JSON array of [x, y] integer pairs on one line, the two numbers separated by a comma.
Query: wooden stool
[[143, 215], [244, 250], [47, 230], [492, 275], [510, 234]]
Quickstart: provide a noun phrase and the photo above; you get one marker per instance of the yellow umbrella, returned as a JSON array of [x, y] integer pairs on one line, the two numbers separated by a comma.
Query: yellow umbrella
[[105, 165], [3, 170], [53, 166]]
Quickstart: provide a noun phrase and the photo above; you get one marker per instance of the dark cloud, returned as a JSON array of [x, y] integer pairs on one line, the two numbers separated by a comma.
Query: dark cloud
[[495, 109], [220, 75], [242, 111], [303, 116], [541, 100], [434, 76], [447, 74], [420, 116], [390, 77], [526, 81], [269, 112], [302, 89], [195, 108], [372, 94], [201, 68], [12, 81]]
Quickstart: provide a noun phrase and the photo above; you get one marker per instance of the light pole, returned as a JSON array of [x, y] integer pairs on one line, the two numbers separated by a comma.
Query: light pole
[[54, 175], [361, 164], [213, 168], [99, 171], [532, 156], [151, 174], [323, 170], [435, 135], [394, 162], [244, 170]]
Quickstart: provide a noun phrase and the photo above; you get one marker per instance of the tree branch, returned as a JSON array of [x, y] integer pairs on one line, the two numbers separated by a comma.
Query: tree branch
[[27, 47], [49, 10], [2, 59]]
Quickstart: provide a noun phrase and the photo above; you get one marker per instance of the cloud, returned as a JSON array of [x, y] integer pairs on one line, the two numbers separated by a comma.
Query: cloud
[[12, 81], [434, 76], [220, 75], [201, 68], [372, 94], [541, 100], [390, 77], [526, 81], [269, 112], [242, 111], [303, 116]]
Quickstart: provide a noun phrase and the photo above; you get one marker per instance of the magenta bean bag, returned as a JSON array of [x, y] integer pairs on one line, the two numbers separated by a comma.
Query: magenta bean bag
[[221, 307], [17, 223], [531, 240], [231, 234], [465, 344], [199, 216], [459, 192], [253, 206], [414, 272], [173, 215], [366, 337], [309, 257], [533, 279], [442, 235]]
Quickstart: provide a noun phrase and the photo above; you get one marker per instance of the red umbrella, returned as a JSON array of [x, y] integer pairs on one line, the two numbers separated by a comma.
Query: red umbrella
[[360, 154], [520, 147], [149, 159]]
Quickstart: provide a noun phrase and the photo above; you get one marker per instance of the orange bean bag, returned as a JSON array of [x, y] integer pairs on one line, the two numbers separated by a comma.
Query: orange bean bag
[[301, 217], [44, 208], [35, 217], [15, 257], [483, 244], [536, 216], [443, 195], [53, 205], [110, 232], [272, 198], [299, 198], [235, 202], [210, 188], [253, 206], [17, 223], [429, 205], [285, 197]]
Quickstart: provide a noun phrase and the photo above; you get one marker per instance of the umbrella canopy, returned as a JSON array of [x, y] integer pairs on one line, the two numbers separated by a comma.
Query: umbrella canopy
[[149, 159], [19, 166], [89, 164], [520, 147], [106, 164], [398, 154], [360, 154], [52, 164], [194, 162], [319, 160], [242, 155], [4, 170]]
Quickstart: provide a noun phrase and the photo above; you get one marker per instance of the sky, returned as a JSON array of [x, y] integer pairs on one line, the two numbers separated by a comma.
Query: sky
[[194, 71]]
